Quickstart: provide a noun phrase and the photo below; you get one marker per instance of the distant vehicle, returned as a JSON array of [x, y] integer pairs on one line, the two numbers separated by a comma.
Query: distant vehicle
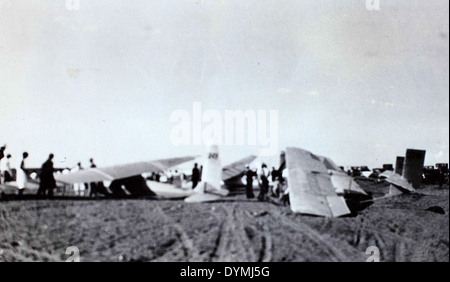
[[388, 167], [442, 167], [375, 175], [359, 170], [433, 175]]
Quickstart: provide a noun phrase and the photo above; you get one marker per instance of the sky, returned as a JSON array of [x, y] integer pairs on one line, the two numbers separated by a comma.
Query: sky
[[102, 81]]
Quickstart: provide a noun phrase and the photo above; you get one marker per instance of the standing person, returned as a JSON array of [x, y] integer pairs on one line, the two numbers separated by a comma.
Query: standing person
[[2, 189], [93, 185], [2, 152], [274, 174], [176, 179], [263, 182], [6, 169], [249, 174], [195, 176], [78, 187], [169, 176], [284, 188], [22, 175], [48, 182]]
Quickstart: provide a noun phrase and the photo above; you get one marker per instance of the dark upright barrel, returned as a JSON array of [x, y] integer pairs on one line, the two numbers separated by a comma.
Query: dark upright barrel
[[413, 166], [399, 165]]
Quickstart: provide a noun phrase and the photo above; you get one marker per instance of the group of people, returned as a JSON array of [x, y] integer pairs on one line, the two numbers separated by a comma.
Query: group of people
[[266, 177], [175, 176], [7, 173], [47, 183]]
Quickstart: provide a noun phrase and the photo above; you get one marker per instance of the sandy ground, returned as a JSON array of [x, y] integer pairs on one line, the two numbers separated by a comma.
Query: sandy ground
[[232, 230]]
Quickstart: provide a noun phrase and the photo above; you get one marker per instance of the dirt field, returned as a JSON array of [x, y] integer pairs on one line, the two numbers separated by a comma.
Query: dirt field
[[232, 230]]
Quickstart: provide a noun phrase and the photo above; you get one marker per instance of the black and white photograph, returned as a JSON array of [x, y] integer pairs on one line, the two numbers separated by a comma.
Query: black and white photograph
[[228, 131]]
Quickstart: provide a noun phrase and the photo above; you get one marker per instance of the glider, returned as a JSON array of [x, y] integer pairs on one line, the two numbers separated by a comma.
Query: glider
[[311, 187], [213, 176], [122, 176], [408, 173]]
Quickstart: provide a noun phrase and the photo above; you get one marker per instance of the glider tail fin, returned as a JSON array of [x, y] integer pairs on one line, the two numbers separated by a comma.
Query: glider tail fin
[[212, 174], [209, 189]]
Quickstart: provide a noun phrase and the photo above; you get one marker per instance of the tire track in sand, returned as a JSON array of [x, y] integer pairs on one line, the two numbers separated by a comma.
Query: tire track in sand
[[185, 244], [233, 244], [383, 241], [334, 253], [266, 251]]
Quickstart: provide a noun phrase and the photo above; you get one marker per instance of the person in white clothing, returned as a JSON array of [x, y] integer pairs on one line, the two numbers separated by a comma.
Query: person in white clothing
[[79, 188], [284, 195], [6, 170], [22, 177]]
